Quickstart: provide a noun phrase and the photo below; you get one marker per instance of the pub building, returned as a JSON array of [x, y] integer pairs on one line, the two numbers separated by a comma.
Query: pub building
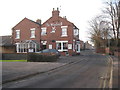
[[55, 33], [59, 33]]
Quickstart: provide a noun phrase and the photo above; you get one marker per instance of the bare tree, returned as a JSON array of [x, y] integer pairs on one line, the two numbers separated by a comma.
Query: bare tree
[[99, 31], [112, 10]]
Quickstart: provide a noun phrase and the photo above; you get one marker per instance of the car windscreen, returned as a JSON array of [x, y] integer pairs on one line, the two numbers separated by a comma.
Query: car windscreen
[[53, 50], [45, 51]]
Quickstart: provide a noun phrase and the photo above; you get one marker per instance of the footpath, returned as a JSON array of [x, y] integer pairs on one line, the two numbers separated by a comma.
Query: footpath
[[116, 72], [12, 71]]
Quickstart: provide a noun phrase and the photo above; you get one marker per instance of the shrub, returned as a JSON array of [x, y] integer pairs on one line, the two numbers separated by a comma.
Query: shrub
[[35, 57]]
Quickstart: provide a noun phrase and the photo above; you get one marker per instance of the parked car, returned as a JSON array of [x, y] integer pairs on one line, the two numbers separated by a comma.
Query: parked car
[[50, 52]]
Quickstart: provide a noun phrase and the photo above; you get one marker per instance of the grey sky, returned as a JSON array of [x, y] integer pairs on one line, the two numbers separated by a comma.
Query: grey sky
[[77, 11]]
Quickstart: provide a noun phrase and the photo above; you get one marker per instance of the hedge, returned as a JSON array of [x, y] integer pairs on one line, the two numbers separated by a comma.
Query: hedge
[[35, 57]]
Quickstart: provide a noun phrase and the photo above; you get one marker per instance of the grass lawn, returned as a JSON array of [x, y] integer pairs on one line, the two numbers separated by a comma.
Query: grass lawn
[[13, 60]]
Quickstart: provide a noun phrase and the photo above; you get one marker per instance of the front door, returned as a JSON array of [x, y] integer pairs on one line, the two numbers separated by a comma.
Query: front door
[[78, 48]]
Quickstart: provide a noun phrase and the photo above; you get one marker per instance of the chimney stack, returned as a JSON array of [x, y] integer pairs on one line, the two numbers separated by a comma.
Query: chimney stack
[[55, 13], [38, 21]]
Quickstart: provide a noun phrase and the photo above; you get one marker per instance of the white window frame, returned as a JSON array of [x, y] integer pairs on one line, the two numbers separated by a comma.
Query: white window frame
[[61, 50], [50, 46], [64, 31], [76, 32], [32, 32], [17, 33], [43, 31]]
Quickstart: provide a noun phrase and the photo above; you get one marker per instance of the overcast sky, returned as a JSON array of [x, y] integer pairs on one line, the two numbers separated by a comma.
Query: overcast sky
[[77, 11]]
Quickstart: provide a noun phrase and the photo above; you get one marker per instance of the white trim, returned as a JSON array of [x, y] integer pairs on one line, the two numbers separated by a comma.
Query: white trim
[[78, 48], [64, 35], [64, 26], [61, 50], [43, 29], [32, 29], [64, 31], [62, 41], [17, 31]]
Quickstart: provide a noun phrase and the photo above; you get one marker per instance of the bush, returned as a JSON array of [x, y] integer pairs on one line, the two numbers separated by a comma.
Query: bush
[[35, 57]]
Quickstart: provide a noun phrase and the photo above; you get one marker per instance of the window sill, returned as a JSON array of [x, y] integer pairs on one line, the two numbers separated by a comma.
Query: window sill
[[62, 50], [44, 35], [52, 32], [32, 37], [64, 35], [17, 38]]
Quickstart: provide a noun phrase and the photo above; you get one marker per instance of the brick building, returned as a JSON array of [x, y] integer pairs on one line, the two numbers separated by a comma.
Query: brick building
[[59, 33], [6, 45], [56, 33], [26, 36]]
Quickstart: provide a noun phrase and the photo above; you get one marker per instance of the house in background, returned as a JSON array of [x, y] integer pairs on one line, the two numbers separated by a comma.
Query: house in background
[[88, 46], [26, 36], [6, 45], [82, 45], [59, 33]]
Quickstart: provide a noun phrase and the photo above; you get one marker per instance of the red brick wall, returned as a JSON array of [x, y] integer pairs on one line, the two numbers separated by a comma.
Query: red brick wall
[[24, 26], [117, 54]]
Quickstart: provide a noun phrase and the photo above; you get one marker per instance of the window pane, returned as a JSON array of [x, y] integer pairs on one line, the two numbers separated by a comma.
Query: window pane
[[58, 46], [17, 34], [32, 33], [64, 31], [65, 46], [43, 31]]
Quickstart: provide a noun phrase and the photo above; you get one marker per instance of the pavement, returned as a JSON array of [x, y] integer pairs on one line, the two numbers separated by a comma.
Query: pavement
[[115, 72], [12, 71]]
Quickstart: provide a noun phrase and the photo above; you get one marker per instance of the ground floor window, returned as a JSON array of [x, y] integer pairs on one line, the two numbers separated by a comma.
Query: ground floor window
[[62, 45], [27, 46]]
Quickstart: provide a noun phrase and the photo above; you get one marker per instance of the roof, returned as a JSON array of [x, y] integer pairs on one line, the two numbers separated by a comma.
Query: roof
[[75, 27], [5, 41], [29, 20]]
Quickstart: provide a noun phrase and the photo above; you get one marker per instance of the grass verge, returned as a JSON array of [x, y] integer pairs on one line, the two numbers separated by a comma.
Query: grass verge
[[13, 60]]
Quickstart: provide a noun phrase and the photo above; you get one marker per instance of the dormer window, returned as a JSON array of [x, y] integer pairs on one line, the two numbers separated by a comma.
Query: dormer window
[[17, 34], [32, 33]]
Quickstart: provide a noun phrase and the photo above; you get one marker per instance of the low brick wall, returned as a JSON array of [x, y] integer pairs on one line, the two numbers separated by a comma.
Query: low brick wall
[[14, 56], [117, 54], [100, 50]]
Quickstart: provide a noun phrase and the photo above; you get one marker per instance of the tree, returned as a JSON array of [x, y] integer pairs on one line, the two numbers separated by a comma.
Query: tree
[[99, 31], [112, 10]]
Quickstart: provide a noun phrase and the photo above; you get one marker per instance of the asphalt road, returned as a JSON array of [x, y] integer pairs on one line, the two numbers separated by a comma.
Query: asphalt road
[[89, 72]]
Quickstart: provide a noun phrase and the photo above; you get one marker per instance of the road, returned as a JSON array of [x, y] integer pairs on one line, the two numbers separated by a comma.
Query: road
[[88, 72]]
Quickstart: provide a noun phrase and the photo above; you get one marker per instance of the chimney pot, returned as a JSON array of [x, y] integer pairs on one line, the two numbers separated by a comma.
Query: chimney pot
[[38, 21]]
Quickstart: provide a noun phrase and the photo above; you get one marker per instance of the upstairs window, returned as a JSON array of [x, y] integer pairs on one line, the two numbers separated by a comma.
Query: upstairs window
[[64, 31], [17, 34], [32, 33], [43, 31], [76, 32]]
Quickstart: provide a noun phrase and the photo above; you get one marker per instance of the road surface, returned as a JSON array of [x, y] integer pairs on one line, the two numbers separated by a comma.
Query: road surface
[[89, 71]]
